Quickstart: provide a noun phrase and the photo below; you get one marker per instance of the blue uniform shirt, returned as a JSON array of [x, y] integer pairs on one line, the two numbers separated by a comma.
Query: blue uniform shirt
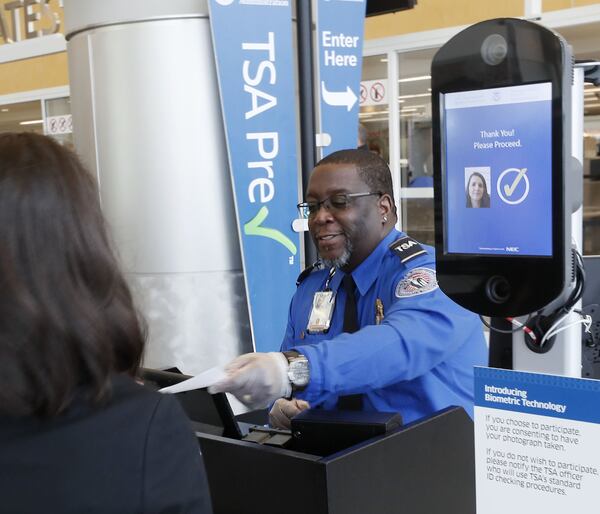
[[418, 360]]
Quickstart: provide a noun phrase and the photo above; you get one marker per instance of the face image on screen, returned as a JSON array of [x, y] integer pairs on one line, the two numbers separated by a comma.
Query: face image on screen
[[498, 170]]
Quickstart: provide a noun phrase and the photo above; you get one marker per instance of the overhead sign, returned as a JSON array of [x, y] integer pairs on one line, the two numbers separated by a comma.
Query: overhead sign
[[35, 15], [41, 26], [536, 442], [340, 28], [253, 50]]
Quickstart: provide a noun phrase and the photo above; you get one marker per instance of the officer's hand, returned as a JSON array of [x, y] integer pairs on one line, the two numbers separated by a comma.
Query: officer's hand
[[284, 410], [256, 379]]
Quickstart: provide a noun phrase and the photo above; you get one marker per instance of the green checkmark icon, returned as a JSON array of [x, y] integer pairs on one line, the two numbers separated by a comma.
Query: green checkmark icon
[[509, 190], [254, 228]]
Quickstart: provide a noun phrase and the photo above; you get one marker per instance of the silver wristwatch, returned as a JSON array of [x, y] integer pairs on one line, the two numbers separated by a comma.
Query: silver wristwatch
[[298, 371]]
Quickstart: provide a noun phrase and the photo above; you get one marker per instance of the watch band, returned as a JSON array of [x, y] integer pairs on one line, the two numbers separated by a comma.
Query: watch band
[[298, 372], [291, 354]]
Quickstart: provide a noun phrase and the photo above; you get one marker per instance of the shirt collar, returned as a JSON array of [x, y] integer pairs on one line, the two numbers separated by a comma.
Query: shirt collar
[[368, 270]]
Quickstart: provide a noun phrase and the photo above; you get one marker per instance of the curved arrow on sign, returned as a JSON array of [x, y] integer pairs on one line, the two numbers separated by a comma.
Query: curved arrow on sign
[[339, 98]]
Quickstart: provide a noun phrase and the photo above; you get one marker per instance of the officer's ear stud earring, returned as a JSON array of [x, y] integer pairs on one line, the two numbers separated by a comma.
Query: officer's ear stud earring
[[385, 219]]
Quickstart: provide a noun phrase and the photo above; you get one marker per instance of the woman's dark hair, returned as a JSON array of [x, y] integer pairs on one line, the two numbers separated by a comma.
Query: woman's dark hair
[[67, 320], [485, 198]]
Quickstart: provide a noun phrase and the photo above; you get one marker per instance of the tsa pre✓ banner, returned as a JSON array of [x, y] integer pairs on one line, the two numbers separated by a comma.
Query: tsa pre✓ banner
[[253, 50]]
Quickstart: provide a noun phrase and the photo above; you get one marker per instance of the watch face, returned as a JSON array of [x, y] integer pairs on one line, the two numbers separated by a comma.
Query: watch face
[[298, 372]]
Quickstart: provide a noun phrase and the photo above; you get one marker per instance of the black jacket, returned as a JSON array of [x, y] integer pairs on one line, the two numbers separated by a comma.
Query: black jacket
[[137, 454]]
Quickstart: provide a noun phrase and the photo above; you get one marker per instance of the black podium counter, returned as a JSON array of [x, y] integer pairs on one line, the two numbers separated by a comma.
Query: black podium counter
[[426, 467]]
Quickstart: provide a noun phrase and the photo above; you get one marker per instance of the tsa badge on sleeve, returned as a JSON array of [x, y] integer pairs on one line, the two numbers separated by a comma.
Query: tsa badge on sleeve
[[321, 312], [417, 281]]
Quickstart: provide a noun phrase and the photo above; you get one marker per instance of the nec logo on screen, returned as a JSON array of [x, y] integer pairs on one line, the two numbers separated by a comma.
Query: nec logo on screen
[[512, 249]]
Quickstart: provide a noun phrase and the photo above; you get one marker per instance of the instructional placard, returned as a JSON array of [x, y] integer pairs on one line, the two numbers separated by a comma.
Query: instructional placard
[[536, 442]]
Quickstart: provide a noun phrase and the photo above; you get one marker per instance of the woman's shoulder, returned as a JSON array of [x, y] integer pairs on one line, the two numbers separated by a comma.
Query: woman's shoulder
[[132, 396]]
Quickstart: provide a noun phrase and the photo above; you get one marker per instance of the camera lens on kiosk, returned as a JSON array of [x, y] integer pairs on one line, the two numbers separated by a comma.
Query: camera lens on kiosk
[[494, 49]]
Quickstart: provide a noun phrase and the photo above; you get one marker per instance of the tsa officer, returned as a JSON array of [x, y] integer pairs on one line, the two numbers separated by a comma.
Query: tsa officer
[[368, 326]]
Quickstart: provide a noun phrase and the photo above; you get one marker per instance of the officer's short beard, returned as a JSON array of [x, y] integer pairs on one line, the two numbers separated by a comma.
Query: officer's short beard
[[342, 260]]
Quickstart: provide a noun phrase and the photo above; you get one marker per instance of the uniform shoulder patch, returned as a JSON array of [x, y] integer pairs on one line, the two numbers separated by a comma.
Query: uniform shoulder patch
[[407, 248], [417, 281]]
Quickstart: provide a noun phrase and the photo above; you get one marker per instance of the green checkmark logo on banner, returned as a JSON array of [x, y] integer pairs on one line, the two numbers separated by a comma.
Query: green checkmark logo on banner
[[254, 228]]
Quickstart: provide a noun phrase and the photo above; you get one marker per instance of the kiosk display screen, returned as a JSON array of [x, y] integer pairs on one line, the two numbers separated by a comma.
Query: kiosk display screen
[[497, 171]]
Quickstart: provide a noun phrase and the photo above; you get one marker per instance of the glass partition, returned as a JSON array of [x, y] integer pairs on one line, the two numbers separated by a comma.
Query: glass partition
[[374, 104], [22, 117], [416, 158]]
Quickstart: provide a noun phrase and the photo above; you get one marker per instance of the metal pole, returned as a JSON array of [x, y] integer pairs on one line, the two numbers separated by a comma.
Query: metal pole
[[307, 105]]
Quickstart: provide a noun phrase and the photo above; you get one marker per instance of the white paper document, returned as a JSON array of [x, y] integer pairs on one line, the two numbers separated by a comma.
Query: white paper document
[[206, 378]]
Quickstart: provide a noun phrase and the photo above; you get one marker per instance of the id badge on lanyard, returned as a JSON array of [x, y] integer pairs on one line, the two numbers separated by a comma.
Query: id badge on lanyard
[[321, 313]]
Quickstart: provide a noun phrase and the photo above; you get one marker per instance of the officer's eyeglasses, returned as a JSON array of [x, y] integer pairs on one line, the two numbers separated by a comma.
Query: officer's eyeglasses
[[333, 203]]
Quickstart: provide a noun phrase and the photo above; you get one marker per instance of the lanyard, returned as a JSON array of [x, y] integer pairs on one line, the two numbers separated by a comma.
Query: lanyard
[[329, 278]]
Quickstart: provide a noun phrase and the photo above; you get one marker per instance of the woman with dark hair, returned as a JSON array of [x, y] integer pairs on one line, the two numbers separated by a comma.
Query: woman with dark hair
[[77, 433], [477, 193]]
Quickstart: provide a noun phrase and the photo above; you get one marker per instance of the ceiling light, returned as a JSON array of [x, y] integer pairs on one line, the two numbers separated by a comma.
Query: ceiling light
[[420, 95], [32, 122], [374, 120], [5, 109], [384, 59], [415, 79], [372, 113]]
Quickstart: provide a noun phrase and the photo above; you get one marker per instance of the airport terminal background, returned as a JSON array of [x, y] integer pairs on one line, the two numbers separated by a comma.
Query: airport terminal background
[[395, 103], [395, 108], [34, 94]]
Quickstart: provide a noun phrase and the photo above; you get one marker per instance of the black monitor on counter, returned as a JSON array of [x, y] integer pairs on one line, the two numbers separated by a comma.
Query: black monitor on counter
[[209, 413]]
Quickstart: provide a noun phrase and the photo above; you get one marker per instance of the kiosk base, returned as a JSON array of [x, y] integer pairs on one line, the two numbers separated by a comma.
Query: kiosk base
[[426, 467]]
